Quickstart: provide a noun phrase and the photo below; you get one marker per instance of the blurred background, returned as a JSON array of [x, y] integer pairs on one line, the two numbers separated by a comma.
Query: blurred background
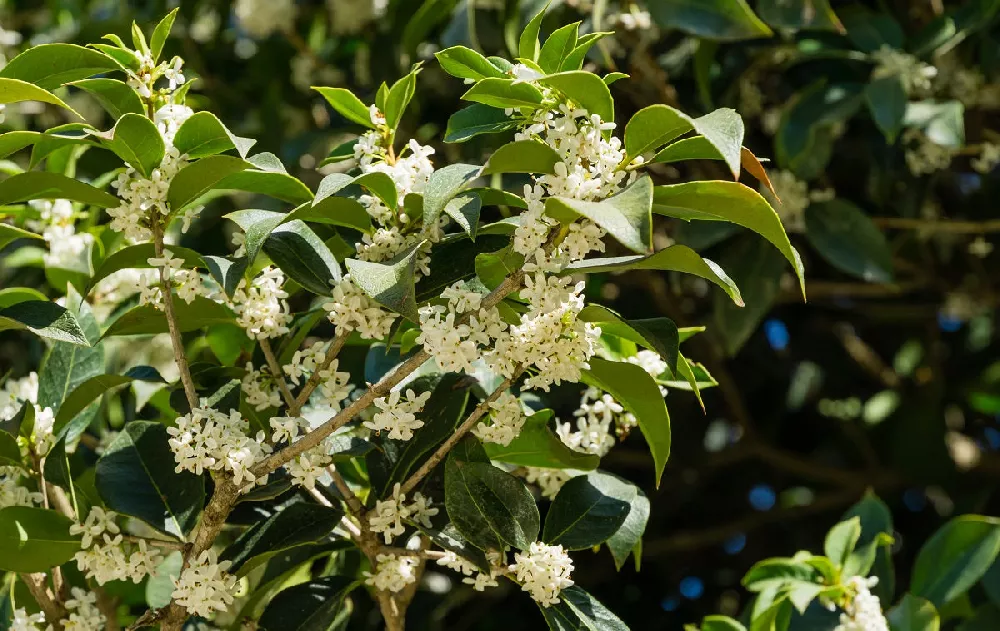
[[881, 121]]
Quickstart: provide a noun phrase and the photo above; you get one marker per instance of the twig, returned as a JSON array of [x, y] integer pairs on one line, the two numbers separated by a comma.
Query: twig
[[331, 354], [352, 500], [278, 376], [108, 606], [457, 435], [54, 611], [175, 335], [163, 543]]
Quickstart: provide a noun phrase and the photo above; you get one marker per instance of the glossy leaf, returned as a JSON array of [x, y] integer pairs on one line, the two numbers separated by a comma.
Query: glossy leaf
[[588, 510], [88, 391], [44, 319], [310, 606], [657, 334], [38, 185], [303, 256], [136, 141], [579, 611], [887, 100], [477, 119], [204, 135], [199, 177], [148, 320], [528, 44], [297, 524], [137, 257], [503, 93], [913, 614], [628, 538], [391, 283], [625, 216], [10, 233], [136, 477], [538, 446], [558, 46], [954, 558], [465, 63], [848, 240], [799, 14], [713, 19], [523, 156], [51, 65], [35, 539], [15, 91], [586, 89], [347, 105], [116, 97]]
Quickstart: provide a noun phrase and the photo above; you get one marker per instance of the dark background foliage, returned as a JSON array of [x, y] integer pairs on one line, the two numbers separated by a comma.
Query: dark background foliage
[[892, 386]]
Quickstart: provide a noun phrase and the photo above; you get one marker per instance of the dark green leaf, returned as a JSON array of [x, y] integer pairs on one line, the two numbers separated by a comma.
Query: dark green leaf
[[848, 240], [523, 156], [887, 100], [872, 554], [298, 524], [204, 135], [627, 539], [136, 141], [913, 614], [391, 283], [51, 65], [227, 272], [148, 320], [376, 182], [443, 185], [268, 179], [10, 233], [870, 31], [625, 216], [579, 611], [804, 141], [86, 392], [44, 319], [799, 14], [713, 19], [454, 259], [35, 539], [585, 89], [757, 269], [588, 510], [347, 105], [310, 606], [538, 446], [636, 391], [10, 453], [137, 257], [136, 477], [732, 202], [954, 558], [490, 507], [477, 119], [38, 185], [658, 334], [676, 258], [198, 178], [303, 256], [114, 96], [464, 209]]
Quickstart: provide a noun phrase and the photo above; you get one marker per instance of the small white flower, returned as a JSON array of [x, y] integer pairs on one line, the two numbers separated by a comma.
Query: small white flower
[[392, 573], [863, 612], [398, 415], [205, 587], [507, 418], [543, 572]]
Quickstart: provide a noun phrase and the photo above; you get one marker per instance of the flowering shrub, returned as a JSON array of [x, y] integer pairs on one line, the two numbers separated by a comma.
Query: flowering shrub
[[261, 448]]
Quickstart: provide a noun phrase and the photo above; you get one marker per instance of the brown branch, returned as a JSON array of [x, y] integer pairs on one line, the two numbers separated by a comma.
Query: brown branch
[[457, 435], [331, 354], [175, 335], [53, 609], [108, 606], [352, 500], [278, 376]]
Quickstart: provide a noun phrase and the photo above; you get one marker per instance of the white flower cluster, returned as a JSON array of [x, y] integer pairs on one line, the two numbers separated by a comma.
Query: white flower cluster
[[186, 283], [923, 155], [82, 612], [915, 74], [57, 226], [260, 18], [392, 572], [549, 481], [455, 345], [207, 439], [106, 556], [506, 420], [260, 389], [863, 612], [12, 493], [334, 386], [471, 574], [398, 415], [793, 197], [352, 310], [543, 572], [596, 415], [260, 306], [14, 394], [23, 621], [387, 515], [205, 587]]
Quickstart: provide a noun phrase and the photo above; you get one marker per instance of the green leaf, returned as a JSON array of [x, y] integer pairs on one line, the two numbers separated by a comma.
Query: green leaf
[[377, 183], [636, 391], [873, 552], [160, 33], [454, 259], [588, 510], [887, 100], [523, 156], [579, 611], [14, 141], [870, 31], [676, 258], [148, 320], [721, 623], [257, 225], [913, 614], [732, 202], [303, 256], [848, 240], [86, 392], [396, 460], [269, 178], [204, 135], [657, 125], [57, 138], [311, 606], [13, 295], [35, 539], [490, 507], [136, 477], [136, 141], [585, 89], [44, 319], [443, 185], [503, 93], [340, 153], [528, 45], [559, 45], [38, 185], [625, 216], [757, 269], [114, 96], [778, 572], [799, 14], [954, 558], [538, 446], [477, 119], [465, 63], [10, 453], [10, 233], [399, 97], [298, 524], [56, 468], [137, 257], [347, 105], [464, 209], [841, 541], [51, 65], [804, 141], [227, 272], [335, 211], [628, 538], [724, 129], [712, 19], [658, 334], [199, 177], [391, 283], [15, 91]]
